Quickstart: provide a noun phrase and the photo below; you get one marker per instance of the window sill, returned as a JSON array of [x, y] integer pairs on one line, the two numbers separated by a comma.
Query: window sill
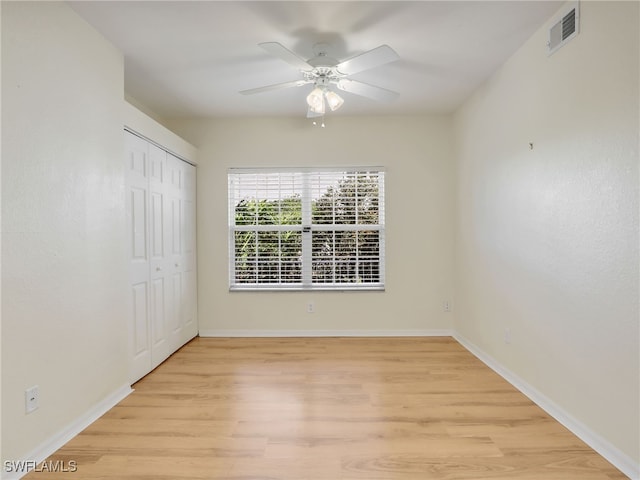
[[297, 288]]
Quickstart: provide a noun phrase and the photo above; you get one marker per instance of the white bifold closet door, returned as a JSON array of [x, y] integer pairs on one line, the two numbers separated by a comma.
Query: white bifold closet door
[[161, 205]]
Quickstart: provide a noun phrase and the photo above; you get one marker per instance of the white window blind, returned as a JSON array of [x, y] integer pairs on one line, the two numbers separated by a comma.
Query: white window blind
[[306, 229]]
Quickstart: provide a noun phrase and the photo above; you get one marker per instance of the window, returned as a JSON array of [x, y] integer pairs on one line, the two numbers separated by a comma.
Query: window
[[318, 229]]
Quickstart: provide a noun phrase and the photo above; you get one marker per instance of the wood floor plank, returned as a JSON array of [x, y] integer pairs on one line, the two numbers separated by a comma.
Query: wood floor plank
[[328, 409]]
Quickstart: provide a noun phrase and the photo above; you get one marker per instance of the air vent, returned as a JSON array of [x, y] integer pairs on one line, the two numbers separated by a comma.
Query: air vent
[[564, 29]]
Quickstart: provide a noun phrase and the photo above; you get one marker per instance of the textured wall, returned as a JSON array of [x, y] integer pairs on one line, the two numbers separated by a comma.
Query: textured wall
[[416, 152], [547, 238], [64, 269]]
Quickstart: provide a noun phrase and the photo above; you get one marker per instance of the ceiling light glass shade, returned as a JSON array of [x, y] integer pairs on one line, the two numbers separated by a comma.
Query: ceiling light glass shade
[[315, 100], [312, 114], [334, 100]]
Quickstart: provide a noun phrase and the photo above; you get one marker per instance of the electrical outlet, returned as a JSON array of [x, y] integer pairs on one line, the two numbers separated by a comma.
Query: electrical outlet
[[31, 399], [507, 336], [446, 306], [311, 307]]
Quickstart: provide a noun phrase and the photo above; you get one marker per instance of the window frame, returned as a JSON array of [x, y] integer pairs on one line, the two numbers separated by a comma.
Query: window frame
[[307, 229]]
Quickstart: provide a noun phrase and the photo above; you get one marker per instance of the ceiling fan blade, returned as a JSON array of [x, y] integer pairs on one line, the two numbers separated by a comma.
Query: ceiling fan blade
[[365, 90], [277, 86], [373, 58], [276, 49]]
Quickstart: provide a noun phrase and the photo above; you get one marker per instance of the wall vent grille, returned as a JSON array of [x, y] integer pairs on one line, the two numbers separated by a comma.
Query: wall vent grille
[[564, 29]]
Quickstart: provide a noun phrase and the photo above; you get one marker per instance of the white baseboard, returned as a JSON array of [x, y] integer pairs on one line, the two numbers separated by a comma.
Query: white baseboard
[[618, 458], [55, 442], [326, 333]]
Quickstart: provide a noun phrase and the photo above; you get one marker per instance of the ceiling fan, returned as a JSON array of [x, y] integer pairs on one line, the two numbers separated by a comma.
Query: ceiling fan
[[325, 72]]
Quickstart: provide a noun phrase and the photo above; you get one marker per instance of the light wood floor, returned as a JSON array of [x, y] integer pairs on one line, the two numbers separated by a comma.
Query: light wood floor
[[328, 409]]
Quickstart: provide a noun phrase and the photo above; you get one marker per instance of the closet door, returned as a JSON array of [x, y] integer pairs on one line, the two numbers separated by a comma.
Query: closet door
[[182, 250], [176, 231], [161, 216], [159, 264], [137, 200], [189, 270]]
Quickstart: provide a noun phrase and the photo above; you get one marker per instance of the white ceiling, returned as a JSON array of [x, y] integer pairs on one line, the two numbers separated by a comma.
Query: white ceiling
[[186, 58]]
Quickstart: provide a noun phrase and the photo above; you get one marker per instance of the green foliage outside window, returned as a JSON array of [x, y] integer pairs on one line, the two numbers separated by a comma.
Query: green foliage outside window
[[338, 255]]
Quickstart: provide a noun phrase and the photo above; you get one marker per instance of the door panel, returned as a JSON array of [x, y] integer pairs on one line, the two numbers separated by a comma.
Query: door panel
[[190, 327], [160, 346], [176, 226], [158, 313], [189, 276], [157, 225], [161, 207], [138, 151], [137, 199], [140, 320], [176, 323]]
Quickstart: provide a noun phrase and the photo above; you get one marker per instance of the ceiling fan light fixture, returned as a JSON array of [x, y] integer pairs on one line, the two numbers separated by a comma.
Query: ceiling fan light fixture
[[324, 71], [334, 100], [315, 100], [312, 114]]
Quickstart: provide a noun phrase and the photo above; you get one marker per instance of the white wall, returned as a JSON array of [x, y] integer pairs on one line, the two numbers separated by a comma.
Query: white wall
[[417, 154], [144, 125], [547, 239], [64, 270]]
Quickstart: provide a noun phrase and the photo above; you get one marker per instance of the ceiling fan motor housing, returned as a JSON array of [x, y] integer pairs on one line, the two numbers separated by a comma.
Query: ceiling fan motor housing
[[322, 61]]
